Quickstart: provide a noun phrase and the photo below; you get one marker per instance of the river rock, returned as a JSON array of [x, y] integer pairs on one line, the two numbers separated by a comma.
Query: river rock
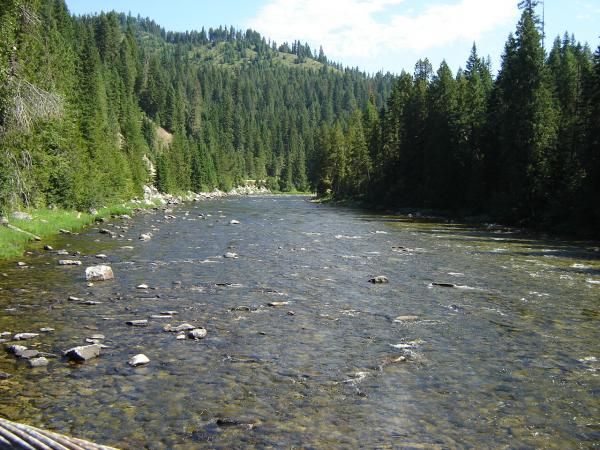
[[230, 255], [197, 333], [4, 375], [183, 327], [99, 273], [62, 252], [138, 360], [142, 286], [28, 354], [234, 222], [24, 336], [69, 262], [16, 350], [145, 237], [46, 329], [48, 248], [101, 256], [90, 302], [406, 318], [38, 362], [21, 264], [180, 336], [379, 279], [19, 215], [448, 285], [138, 323], [110, 233], [275, 304], [83, 352]]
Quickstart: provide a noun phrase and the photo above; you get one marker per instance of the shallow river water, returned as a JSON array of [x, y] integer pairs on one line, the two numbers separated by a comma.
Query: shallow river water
[[507, 358]]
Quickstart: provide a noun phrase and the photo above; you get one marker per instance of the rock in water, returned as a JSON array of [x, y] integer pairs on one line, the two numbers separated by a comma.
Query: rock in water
[[99, 273], [145, 236], [16, 350], [83, 352], [197, 333], [38, 362], [138, 360], [230, 255], [24, 336], [234, 222], [380, 279], [406, 319], [69, 262], [177, 329], [137, 323], [142, 286]]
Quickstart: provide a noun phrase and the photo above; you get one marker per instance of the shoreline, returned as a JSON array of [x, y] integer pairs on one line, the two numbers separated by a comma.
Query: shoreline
[[22, 229]]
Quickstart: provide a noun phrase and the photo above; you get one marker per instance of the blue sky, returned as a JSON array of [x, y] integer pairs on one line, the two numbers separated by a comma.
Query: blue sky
[[388, 35]]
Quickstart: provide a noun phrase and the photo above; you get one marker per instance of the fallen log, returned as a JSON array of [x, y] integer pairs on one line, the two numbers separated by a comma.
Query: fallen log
[[18, 230], [19, 436]]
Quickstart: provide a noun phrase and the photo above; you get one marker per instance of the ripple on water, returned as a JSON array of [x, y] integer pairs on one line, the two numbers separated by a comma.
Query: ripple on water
[[353, 365]]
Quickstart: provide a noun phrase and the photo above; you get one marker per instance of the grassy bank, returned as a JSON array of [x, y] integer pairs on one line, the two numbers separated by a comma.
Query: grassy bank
[[49, 222]]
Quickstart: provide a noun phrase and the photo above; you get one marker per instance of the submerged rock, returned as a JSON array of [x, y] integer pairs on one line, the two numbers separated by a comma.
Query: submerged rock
[[28, 354], [197, 333], [379, 279], [83, 352], [177, 329], [406, 318], [448, 285], [38, 362], [138, 360], [99, 273]]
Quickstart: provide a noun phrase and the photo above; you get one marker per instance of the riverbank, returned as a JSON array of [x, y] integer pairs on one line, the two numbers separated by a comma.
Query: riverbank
[[25, 229]]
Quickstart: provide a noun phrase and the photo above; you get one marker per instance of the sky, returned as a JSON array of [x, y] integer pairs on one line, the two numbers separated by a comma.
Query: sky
[[374, 35]]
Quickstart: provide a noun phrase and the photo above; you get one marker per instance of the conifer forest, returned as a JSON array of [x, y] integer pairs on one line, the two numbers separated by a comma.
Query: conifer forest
[[94, 107]]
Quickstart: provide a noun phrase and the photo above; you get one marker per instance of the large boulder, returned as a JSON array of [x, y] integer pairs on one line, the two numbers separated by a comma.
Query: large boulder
[[83, 352], [99, 273]]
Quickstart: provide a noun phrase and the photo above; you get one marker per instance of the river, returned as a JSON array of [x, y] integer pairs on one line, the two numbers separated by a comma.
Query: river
[[508, 357]]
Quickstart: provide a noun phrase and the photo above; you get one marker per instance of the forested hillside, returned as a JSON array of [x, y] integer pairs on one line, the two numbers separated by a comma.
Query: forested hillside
[[89, 104], [91, 108], [523, 147]]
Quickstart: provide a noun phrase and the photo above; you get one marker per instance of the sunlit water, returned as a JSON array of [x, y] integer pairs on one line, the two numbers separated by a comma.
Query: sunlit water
[[509, 359]]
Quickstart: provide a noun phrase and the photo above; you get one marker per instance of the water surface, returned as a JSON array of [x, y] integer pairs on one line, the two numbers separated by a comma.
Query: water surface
[[507, 359]]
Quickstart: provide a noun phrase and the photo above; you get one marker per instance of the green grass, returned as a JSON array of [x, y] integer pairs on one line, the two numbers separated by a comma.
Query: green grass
[[48, 222]]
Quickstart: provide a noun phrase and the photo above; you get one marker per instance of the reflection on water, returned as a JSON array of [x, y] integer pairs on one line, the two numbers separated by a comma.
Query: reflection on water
[[482, 338]]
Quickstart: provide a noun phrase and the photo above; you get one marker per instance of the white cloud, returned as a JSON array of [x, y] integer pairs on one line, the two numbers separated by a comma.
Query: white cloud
[[350, 29]]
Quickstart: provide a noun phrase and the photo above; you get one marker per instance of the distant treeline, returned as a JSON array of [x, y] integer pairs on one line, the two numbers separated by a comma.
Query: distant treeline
[[93, 107]]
